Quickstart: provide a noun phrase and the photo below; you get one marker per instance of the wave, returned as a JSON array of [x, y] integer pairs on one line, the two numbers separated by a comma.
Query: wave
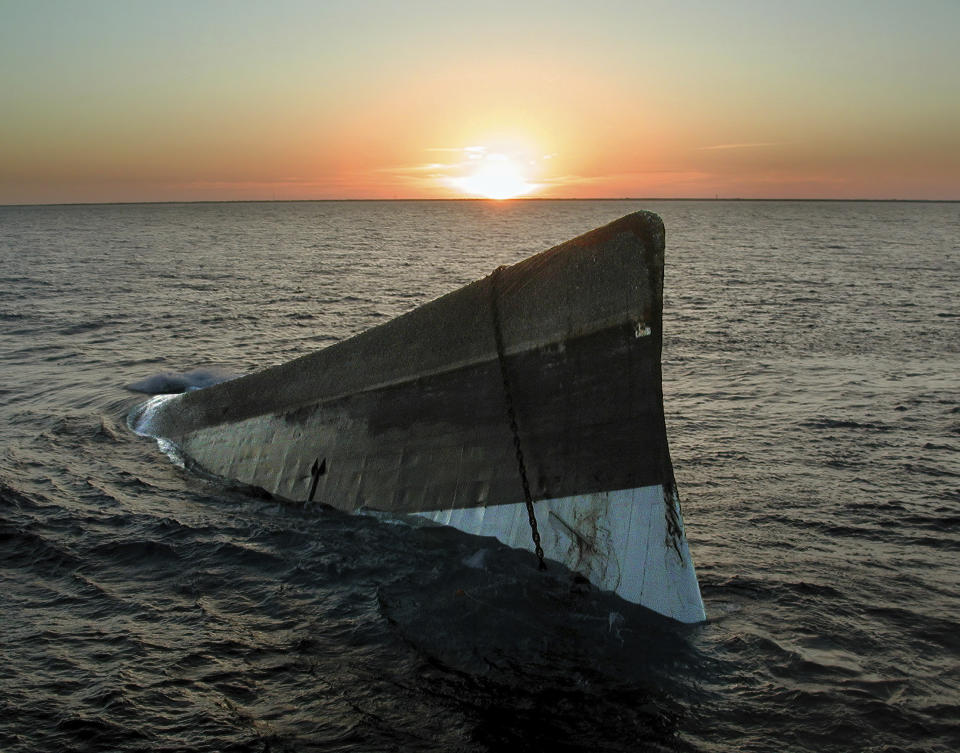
[[172, 382], [831, 423]]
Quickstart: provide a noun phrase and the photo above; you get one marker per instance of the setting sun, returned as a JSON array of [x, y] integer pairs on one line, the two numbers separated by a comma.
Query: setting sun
[[477, 103], [495, 176]]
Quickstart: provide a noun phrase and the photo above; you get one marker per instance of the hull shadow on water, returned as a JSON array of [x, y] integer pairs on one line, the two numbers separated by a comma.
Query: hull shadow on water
[[179, 614]]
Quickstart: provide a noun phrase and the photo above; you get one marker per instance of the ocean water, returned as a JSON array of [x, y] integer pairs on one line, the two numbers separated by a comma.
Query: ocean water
[[812, 389]]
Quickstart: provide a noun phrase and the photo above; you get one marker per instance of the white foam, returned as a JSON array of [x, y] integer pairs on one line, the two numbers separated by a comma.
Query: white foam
[[140, 419]]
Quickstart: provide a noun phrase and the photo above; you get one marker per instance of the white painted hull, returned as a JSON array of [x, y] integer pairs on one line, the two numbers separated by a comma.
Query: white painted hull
[[618, 540]]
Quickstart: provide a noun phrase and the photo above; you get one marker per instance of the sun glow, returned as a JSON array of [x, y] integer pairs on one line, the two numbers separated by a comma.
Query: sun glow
[[493, 176]]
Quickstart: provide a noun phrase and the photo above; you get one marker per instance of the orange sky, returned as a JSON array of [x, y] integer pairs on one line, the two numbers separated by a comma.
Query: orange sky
[[137, 101]]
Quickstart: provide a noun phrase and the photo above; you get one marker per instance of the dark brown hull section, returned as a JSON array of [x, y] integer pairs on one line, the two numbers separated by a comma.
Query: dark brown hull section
[[412, 414]]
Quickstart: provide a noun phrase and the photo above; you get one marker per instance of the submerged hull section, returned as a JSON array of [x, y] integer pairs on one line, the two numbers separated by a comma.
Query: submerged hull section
[[410, 417]]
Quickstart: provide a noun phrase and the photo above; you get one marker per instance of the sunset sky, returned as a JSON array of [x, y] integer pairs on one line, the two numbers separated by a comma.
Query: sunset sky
[[203, 100]]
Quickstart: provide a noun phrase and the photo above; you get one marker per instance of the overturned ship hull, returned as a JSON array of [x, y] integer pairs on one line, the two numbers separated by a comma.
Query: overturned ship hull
[[553, 362]]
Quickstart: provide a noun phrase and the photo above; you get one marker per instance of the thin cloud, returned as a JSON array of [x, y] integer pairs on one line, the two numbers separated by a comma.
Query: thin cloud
[[456, 149], [429, 167], [752, 145]]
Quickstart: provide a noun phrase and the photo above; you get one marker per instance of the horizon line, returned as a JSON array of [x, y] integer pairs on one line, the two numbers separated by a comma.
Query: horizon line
[[477, 199]]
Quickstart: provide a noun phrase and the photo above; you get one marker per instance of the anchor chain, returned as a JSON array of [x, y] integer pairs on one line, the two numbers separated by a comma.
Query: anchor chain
[[512, 416]]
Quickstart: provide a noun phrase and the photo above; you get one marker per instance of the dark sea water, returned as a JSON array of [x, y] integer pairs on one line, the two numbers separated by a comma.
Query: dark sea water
[[812, 386]]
